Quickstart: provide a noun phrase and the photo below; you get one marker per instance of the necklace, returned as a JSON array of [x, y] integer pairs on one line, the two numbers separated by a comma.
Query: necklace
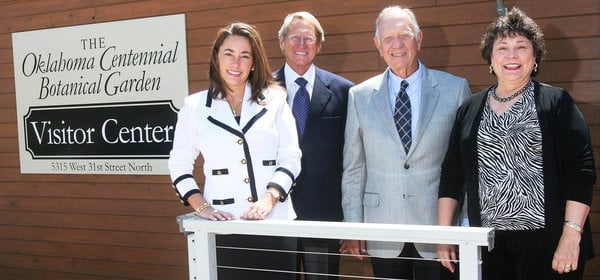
[[236, 107], [506, 99]]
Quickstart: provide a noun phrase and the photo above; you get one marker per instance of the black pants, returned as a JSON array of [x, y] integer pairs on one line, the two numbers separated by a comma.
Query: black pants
[[523, 255], [243, 262], [401, 268], [319, 257]]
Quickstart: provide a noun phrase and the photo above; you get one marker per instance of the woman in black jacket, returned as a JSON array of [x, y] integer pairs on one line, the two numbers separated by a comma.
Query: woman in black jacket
[[522, 152]]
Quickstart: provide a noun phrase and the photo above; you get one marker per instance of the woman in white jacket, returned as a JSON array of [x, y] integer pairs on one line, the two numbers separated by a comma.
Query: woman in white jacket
[[245, 131]]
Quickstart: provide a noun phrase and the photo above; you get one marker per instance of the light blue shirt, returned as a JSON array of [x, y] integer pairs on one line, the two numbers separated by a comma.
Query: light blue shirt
[[413, 90], [291, 85]]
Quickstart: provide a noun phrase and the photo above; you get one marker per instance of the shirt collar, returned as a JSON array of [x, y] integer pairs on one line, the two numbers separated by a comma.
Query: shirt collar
[[394, 80], [291, 76]]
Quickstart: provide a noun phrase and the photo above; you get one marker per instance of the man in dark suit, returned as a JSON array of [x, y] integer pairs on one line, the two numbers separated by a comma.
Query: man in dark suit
[[318, 99]]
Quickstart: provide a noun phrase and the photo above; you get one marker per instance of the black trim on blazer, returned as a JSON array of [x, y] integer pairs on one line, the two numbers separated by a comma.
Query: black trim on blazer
[[286, 171], [226, 127], [223, 201], [181, 178], [219, 172], [270, 162], [184, 199], [289, 173], [253, 120], [187, 196], [209, 97], [245, 146]]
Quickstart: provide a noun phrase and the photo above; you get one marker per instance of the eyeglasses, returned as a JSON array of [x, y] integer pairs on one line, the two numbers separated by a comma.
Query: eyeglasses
[[297, 39]]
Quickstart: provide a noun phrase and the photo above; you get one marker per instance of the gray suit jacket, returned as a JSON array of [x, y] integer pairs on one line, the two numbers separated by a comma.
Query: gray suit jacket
[[382, 183]]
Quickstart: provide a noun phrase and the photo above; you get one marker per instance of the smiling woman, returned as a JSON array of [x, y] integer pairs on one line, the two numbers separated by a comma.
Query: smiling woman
[[522, 151], [235, 63], [246, 133]]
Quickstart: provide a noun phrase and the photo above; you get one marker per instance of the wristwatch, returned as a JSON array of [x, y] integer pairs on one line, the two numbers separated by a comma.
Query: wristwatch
[[274, 193]]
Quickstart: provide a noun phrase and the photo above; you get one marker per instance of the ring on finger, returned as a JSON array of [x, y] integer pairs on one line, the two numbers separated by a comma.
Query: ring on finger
[[567, 268]]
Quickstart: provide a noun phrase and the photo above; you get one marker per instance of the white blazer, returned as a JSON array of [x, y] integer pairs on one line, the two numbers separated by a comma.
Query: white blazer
[[240, 160]]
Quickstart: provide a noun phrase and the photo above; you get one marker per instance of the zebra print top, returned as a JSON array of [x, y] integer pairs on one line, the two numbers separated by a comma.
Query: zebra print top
[[511, 189]]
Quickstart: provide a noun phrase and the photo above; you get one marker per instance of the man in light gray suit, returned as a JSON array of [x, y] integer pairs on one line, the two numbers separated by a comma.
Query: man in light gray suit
[[396, 137]]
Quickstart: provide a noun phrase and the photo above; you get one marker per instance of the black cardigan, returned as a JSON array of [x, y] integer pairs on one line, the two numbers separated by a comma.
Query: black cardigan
[[568, 160]]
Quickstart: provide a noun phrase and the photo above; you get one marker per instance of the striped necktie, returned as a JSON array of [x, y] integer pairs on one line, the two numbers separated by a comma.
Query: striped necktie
[[402, 116]]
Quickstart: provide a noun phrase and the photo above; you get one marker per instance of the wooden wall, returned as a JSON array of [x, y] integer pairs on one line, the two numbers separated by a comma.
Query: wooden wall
[[93, 227]]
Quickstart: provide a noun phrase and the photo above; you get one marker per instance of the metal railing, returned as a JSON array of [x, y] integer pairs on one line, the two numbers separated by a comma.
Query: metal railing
[[202, 251]]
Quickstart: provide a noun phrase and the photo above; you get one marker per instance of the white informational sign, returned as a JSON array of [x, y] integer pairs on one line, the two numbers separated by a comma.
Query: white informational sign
[[100, 98]]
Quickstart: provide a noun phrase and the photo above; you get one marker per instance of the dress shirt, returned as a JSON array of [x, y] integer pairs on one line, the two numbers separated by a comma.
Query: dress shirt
[[413, 91], [291, 85]]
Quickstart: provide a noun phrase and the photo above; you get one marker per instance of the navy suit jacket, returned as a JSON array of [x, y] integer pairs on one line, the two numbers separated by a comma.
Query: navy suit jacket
[[317, 194]]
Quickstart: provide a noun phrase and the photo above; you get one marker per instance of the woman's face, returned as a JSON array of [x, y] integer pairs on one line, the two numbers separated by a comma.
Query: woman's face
[[235, 61], [513, 59]]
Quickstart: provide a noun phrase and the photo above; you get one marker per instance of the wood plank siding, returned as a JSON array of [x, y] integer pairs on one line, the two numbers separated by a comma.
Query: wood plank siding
[[98, 227]]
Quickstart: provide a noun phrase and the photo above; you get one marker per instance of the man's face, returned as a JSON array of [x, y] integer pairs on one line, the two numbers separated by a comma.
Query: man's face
[[398, 45], [300, 45]]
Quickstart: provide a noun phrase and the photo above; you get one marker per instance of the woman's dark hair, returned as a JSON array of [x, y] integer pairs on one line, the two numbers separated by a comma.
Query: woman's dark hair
[[260, 78], [515, 23]]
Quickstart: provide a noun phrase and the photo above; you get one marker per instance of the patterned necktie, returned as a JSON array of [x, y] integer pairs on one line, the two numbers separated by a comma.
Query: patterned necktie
[[301, 105], [402, 116]]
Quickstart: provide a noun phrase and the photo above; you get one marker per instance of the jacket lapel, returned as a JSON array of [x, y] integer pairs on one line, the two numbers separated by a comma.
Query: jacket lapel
[[221, 111], [382, 103], [321, 95], [429, 96]]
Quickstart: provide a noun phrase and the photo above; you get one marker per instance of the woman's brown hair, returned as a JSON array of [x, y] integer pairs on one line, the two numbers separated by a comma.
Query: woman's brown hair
[[260, 78]]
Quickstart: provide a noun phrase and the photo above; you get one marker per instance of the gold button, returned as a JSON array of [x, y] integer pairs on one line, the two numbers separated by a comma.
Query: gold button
[[182, 202], [222, 202], [249, 199], [247, 180], [240, 141], [173, 186], [243, 161], [219, 172]]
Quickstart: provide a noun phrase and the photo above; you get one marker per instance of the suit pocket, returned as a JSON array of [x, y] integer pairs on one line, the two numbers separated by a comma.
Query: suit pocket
[[442, 120], [371, 200], [270, 162], [219, 172]]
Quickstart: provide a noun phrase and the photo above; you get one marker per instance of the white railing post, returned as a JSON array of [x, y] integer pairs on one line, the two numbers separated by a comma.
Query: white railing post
[[470, 266], [202, 247], [202, 255]]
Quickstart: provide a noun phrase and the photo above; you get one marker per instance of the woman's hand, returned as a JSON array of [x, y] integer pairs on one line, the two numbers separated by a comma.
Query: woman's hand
[[215, 215], [566, 255], [204, 210], [260, 209], [447, 256]]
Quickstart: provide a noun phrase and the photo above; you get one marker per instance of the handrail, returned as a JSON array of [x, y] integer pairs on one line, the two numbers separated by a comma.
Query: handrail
[[201, 238]]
